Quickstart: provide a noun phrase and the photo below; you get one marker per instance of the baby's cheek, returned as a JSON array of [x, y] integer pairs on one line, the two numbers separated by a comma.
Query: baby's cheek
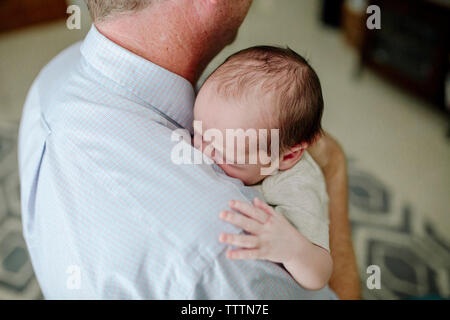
[[197, 142], [232, 171], [243, 173], [252, 175]]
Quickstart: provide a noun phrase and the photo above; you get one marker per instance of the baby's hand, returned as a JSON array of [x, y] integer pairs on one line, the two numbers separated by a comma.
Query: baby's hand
[[271, 237]]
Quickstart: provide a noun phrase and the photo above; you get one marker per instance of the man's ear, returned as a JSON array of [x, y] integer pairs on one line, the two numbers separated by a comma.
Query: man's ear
[[290, 157]]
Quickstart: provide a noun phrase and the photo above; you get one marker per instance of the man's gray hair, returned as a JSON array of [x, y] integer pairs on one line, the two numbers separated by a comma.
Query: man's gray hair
[[103, 9]]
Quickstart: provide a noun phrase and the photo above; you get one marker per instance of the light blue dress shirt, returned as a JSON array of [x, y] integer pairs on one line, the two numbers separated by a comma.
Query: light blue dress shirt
[[106, 213]]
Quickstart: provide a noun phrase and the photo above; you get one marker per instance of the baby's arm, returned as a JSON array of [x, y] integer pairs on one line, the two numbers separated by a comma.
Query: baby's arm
[[272, 237], [311, 266]]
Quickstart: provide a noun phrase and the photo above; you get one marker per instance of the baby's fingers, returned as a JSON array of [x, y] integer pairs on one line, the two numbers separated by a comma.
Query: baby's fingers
[[239, 240], [258, 203], [240, 254], [240, 221], [249, 210]]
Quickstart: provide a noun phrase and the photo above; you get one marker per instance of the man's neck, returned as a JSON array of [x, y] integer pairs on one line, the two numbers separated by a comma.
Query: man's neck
[[173, 43]]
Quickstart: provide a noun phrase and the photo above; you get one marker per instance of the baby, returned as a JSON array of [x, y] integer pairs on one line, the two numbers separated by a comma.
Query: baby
[[264, 88]]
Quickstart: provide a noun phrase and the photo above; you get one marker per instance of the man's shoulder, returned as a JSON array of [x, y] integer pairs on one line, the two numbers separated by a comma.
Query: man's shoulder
[[52, 82], [60, 65], [124, 159]]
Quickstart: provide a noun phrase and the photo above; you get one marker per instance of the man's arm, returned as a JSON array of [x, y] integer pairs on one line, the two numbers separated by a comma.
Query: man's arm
[[330, 157], [251, 280]]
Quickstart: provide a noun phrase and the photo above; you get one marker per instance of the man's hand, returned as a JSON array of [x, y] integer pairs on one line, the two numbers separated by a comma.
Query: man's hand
[[329, 156]]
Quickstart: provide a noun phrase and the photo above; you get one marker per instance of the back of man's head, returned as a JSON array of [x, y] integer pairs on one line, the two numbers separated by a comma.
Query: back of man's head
[[103, 9]]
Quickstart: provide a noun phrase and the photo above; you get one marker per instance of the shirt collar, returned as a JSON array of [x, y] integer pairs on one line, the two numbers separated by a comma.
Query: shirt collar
[[165, 91]]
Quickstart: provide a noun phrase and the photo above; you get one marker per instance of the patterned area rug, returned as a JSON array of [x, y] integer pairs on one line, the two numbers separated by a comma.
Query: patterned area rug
[[17, 279], [414, 260]]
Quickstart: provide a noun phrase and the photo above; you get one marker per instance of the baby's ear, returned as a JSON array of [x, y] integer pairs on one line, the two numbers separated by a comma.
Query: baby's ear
[[290, 157]]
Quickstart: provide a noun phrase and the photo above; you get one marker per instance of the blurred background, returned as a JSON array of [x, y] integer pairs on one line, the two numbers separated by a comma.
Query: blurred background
[[386, 101]]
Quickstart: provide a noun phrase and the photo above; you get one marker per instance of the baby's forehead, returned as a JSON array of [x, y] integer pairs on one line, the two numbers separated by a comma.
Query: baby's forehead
[[243, 111]]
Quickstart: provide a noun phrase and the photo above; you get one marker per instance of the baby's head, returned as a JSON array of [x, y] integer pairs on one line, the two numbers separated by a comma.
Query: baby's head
[[260, 88]]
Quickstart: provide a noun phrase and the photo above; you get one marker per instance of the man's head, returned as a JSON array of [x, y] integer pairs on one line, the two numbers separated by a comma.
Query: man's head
[[159, 30], [104, 9], [101, 10], [264, 88], [218, 14]]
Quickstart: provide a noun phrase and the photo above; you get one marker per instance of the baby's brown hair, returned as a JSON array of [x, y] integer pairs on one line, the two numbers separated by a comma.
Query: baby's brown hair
[[285, 74]]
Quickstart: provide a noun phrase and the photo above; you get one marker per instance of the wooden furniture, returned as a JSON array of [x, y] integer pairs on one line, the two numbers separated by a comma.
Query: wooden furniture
[[353, 24], [20, 13], [412, 47]]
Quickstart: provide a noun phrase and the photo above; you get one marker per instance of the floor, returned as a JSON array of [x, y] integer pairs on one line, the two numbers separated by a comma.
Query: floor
[[398, 154]]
